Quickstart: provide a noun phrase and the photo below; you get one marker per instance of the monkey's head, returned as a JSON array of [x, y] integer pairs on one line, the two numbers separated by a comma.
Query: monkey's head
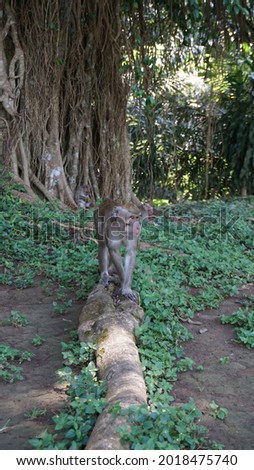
[[128, 217], [146, 207], [128, 212]]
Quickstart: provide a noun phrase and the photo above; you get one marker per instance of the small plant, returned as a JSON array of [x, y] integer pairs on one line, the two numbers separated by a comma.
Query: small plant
[[25, 356], [9, 371], [36, 413], [248, 300], [224, 360], [75, 353], [243, 320], [185, 364], [17, 319], [217, 411], [61, 294], [38, 340], [61, 308]]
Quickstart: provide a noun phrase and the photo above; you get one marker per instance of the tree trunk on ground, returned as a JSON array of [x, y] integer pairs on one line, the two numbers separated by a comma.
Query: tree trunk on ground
[[112, 328]]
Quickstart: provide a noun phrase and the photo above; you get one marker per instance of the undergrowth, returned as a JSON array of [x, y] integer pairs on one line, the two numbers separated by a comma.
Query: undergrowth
[[85, 400], [10, 360], [243, 321], [43, 240], [195, 254]]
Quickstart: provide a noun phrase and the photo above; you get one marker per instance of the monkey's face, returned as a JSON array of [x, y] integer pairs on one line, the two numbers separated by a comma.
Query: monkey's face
[[126, 226]]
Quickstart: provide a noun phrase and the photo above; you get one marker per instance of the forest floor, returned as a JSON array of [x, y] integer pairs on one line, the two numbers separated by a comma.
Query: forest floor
[[40, 389], [228, 382], [227, 377]]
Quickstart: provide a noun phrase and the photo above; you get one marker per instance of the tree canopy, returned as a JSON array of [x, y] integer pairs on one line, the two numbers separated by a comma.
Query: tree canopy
[[116, 95]]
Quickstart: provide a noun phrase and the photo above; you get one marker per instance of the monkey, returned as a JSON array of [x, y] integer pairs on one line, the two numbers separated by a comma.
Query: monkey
[[81, 197], [145, 208], [117, 225]]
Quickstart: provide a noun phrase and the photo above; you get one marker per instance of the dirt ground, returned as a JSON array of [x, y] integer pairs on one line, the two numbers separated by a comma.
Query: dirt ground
[[230, 385], [39, 389]]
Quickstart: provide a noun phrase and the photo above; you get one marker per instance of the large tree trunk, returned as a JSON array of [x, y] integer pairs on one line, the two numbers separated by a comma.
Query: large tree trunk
[[55, 180], [112, 144], [70, 115], [11, 82]]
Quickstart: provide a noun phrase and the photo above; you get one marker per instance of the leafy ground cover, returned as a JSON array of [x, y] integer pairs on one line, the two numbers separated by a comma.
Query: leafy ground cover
[[191, 258]]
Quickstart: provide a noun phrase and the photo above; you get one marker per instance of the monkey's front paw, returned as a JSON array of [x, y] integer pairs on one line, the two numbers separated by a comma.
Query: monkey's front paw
[[129, 294]]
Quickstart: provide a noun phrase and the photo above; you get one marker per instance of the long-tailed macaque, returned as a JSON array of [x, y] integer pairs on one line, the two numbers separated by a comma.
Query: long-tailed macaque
[[82, 198], [117, 225]]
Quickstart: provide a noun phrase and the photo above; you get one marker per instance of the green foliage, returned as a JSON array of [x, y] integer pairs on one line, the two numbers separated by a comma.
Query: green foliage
[[213, 255], [9, 358], [62, 308], [75, 354], [243, 320], [17, 319], [36, 413], [217, 411], [85, 400], [38, 340], [224, 360], [191, 265], [178, 116], [164, 427], [237, 123], [195, 255], [185, 364], [41, 240], [190, 110]]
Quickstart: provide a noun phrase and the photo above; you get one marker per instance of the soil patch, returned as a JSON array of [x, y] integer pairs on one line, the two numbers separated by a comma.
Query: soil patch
[[40, 388], [229, 383]]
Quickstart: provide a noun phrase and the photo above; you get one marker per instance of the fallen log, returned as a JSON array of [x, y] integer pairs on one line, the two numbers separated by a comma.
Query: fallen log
[[111, 326]]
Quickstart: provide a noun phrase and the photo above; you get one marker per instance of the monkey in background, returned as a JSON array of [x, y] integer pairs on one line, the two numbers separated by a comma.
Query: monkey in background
[[118, 225], [82, 198]]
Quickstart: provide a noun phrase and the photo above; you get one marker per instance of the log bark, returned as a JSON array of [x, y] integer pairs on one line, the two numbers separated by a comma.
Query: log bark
[[111, 325]]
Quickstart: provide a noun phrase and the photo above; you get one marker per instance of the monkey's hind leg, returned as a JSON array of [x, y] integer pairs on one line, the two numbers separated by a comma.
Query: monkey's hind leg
[[107, 272], [129, 294], [103, 257]]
